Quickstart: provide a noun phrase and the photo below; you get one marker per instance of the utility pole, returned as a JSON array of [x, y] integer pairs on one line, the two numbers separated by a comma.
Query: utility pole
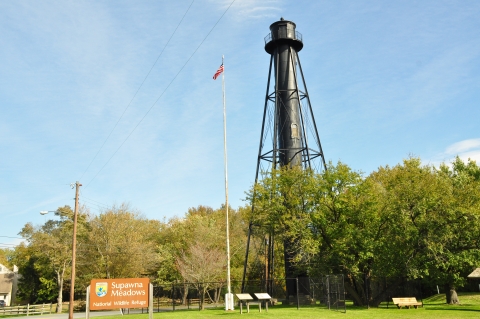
[[74, 252]]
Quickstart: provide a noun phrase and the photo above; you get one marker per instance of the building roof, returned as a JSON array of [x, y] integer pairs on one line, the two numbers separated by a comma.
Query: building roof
[[6, 281], [474, 274]]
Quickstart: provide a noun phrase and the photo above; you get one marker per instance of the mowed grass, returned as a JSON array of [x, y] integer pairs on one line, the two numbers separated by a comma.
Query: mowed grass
[[435, 307]]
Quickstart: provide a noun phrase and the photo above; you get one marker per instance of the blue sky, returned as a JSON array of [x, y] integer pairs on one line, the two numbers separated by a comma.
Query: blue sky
[[386, 80]]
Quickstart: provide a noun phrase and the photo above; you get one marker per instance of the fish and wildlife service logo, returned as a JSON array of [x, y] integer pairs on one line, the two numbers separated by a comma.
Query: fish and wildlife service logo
[[101, 289]]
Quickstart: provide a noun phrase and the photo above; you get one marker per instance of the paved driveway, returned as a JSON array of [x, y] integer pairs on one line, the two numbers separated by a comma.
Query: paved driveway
[[76, 315]]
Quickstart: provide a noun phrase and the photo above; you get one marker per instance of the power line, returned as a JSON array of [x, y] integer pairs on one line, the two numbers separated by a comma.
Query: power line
[[12, 237], [8, 245], [97, 209], [94, 202], [163, 92], [141, 85], [88, 201], [93, 207], [96, 206]]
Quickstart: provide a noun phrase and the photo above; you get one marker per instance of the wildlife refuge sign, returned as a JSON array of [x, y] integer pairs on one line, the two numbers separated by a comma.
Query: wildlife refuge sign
[[119, 293]]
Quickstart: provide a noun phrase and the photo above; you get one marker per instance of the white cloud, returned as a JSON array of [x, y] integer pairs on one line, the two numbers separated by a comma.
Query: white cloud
[[473, 155], [466, 149], [463, 146], [255, 9]]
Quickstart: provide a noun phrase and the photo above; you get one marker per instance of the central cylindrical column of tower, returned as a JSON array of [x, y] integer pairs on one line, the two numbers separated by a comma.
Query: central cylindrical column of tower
[[283, 43]]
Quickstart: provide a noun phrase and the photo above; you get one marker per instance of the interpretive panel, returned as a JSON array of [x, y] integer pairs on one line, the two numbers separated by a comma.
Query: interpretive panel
[[262, 296]]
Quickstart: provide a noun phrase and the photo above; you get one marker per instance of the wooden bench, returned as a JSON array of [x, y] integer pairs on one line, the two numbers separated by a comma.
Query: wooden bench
[[407, 302]]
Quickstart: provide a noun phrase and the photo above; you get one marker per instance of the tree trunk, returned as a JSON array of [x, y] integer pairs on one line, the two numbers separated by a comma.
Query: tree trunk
[[202, 299], [210, 297], [60, 290], [451, 294], [185, 293], [366, 284], [386, 292], [218, 291], [357, 300]]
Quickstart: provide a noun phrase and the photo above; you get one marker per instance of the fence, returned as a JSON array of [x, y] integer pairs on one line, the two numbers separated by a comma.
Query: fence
[[327, 291], [26, 310]]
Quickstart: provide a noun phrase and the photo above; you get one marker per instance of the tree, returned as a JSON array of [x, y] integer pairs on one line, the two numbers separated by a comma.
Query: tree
[[201, 258], [282, 202], [456, 251], [5, 257], [337, 224], [30, 287], [192, 249], [49, 248], [202, 265], [409, 221], [434, 218], [120, 244]]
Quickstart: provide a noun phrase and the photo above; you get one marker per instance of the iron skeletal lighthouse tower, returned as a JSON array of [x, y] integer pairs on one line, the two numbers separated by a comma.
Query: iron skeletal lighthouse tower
[[289, 135]]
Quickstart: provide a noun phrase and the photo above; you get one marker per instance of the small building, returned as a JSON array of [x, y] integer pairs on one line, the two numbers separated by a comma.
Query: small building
[[475, 274], [8, 284]]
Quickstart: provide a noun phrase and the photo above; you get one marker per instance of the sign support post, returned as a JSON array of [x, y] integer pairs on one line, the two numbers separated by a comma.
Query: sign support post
[[150, 302], [87, 310]]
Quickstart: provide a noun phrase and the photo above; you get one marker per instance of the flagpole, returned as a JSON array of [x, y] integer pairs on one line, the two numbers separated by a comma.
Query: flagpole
[[228, 296]]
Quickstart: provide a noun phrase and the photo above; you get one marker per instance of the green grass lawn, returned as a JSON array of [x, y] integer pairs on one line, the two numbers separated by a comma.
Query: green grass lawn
[[435, 307]]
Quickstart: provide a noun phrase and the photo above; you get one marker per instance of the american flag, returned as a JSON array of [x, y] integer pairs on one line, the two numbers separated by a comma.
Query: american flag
[[219, 71]]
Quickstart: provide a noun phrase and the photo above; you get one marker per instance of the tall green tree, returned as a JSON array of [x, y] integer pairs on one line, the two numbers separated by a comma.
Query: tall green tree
[[283, 202], [456, 251], [433, 218], [119, 244], [410, 221], [31, 289], [346, 229], [317, 215], [49, 251]]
